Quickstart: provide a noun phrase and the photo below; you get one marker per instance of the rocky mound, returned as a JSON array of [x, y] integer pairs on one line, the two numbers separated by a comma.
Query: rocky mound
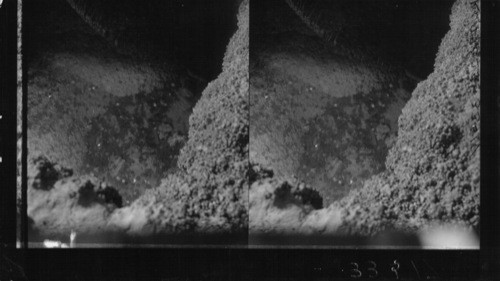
[[433, 169], [210, 193]]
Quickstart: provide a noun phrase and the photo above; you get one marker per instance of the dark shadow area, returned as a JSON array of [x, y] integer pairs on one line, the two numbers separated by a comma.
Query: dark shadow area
[[192, 33], [407, 33]]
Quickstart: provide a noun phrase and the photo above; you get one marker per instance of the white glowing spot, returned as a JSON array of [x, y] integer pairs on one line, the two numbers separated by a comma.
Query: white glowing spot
[[449, 237], [406, 149], [54, 244], [72, 238]]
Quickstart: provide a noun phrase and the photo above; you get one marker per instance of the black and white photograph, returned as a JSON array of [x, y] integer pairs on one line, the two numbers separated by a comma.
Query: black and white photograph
[[137, 130], [364, 123], [178, 140]]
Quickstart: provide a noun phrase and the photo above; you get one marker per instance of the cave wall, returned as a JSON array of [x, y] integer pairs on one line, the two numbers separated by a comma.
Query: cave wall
[[193, 33], [404, 33]]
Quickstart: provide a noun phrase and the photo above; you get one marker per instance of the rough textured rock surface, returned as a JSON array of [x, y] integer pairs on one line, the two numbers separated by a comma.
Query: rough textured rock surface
[[432, 172], [210, 193], [433, 169], [206, 195]]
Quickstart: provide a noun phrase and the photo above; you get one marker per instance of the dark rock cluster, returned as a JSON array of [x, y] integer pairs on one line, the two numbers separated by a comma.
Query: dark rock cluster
[[59, 203]]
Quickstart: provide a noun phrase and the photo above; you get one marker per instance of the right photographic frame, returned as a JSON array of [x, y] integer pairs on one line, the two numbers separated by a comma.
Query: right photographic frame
[[365, 124]]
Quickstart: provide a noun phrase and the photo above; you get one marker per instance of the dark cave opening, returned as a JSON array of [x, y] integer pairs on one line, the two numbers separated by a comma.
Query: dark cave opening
[[329, 80], [405, 32], [193, 33], [111, 84]]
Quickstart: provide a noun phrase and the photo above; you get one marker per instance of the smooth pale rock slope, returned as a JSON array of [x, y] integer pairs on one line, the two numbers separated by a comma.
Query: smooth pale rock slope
[[432, 174], [208, 194]]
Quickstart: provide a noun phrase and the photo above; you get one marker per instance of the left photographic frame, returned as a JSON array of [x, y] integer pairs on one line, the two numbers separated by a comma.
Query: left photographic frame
[[136, 133], [8, 120]]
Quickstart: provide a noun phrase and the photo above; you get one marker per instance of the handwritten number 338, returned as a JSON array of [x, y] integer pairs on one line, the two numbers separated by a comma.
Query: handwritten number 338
[[372, 269]]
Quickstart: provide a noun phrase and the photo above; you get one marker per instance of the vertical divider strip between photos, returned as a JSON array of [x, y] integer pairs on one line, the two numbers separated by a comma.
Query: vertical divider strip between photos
[[8, 113], [490, 140], [24, 128], [249, 121]]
